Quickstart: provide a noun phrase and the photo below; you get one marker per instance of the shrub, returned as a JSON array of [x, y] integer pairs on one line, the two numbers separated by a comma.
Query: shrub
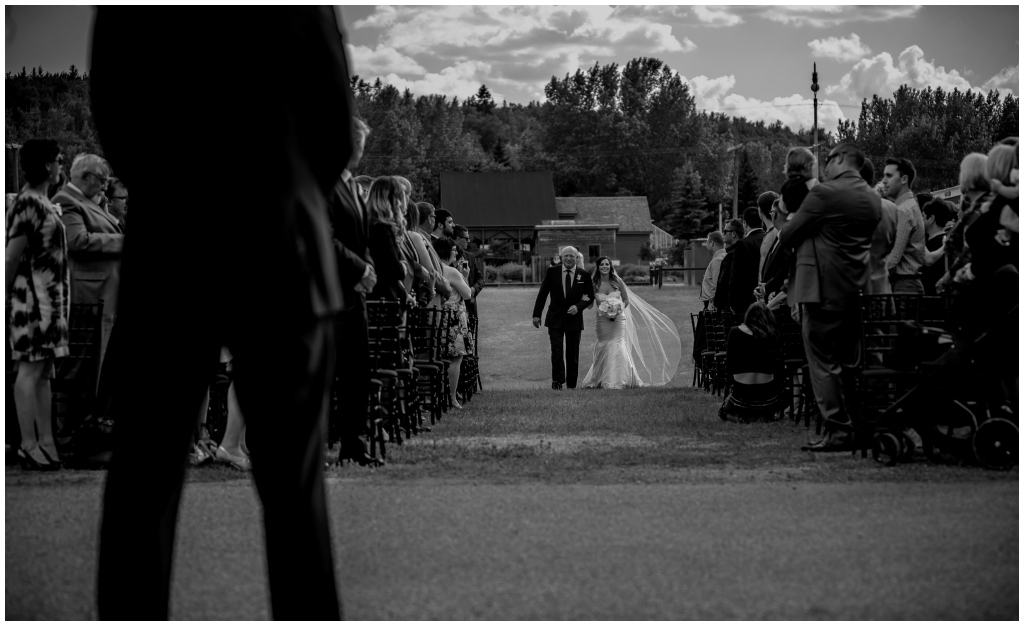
[[633, 273], [513, 273], [492, 274]]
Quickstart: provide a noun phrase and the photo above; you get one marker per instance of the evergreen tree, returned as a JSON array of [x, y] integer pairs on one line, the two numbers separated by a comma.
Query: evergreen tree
[[483, 101], [687, 206], [749, 185]]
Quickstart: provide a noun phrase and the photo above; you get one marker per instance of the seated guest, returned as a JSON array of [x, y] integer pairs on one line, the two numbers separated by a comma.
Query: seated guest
[[936, 216], [385, 199], [458, 341], [753, 357]]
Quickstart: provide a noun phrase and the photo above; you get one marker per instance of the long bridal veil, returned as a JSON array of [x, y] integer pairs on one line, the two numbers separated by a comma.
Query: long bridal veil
[[653, 341]]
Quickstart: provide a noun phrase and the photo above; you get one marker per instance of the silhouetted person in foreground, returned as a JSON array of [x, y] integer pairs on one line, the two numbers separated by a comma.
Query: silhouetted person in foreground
[[230, 125]]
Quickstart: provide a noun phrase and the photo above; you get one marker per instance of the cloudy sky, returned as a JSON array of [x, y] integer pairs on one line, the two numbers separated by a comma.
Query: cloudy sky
[[753, 61]]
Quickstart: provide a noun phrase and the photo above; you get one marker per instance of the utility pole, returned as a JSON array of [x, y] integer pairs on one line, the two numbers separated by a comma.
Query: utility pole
[[720, 225], [814, 89]]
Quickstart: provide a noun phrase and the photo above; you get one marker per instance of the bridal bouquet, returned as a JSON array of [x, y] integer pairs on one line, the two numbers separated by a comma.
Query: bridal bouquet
[[611, 308]]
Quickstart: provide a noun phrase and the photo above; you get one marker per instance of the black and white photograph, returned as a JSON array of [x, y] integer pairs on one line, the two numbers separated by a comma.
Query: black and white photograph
[[512, 312]]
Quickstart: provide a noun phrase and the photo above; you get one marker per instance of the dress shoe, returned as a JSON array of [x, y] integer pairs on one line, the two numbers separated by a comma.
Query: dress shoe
[[556, 386], [831, 442]]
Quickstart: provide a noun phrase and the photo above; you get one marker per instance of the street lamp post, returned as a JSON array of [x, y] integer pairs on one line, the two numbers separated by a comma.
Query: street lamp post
[[814, 90]]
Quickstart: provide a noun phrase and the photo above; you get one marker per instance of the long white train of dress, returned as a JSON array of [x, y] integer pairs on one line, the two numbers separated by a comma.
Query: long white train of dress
[[613, 366]]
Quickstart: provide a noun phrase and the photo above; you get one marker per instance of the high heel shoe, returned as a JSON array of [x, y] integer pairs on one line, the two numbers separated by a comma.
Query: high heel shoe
[[27, 462], [53, 460]]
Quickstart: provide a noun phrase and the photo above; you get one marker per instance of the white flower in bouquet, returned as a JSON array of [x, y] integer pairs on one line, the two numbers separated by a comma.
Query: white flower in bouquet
[[611, 308]]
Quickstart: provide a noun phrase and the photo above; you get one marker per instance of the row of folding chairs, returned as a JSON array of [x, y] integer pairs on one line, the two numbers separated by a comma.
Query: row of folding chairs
[[409, 378], [878, 384]]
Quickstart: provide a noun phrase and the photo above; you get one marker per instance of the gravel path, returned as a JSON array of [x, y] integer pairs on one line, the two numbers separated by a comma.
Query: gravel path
[[437, 549]]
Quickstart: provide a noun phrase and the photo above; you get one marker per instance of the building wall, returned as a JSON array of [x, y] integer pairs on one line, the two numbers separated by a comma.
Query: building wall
[[629, 245], [550, 242]]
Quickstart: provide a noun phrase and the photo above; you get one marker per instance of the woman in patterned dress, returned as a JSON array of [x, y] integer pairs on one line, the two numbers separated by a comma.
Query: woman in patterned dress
[[39, 285], [457, 342]]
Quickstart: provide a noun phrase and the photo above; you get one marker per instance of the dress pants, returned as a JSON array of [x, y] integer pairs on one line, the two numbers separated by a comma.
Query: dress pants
[[283, 365], [353, 376], [832, 345], [565, 363]]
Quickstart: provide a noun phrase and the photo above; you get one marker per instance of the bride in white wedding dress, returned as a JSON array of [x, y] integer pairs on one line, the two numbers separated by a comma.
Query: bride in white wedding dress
[[637, 346]]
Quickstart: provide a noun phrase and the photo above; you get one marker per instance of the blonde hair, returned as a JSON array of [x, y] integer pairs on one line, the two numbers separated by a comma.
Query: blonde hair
[[972, 173], [800, 162], [1001, 160], [385, 195]]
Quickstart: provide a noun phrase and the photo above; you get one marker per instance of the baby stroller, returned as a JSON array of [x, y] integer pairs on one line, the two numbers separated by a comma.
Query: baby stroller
[[964, 401]]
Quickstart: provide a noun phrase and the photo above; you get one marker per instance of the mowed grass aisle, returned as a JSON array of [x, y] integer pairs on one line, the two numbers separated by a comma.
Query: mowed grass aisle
[[519, 428], [590, 505]]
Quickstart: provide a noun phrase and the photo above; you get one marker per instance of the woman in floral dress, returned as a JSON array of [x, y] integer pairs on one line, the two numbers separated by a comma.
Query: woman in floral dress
[[458, 342], [39, 285]]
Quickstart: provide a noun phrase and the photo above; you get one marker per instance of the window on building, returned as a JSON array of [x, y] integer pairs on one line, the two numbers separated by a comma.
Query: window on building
[[595, 250]]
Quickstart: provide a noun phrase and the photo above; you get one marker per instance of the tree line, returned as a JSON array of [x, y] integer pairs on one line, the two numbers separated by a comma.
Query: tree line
[[602, 131]]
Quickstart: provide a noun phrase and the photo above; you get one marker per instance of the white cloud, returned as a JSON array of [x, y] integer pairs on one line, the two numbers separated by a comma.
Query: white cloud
[[1006, 81], [716, 16], [796, 111], [823, 16], [879, 75], [840, 48], [461, 80], [383, 60]]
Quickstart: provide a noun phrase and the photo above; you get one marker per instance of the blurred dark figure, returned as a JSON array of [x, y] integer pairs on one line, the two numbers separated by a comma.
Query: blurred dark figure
[[117, 201], [256, 95]]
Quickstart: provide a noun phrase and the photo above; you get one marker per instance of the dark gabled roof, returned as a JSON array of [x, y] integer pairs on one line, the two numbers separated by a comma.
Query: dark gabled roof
[[631, 213], [478, 199]]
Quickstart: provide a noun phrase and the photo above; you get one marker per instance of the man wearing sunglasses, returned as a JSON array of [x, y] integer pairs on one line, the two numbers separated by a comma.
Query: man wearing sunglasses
[[732, 235], [839, 218]]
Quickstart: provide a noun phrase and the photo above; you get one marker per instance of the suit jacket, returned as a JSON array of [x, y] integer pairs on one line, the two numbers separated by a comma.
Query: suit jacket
[[882, 241], [776, 268], [837, 220], [744, 275], [350, 237], [476, 272], [387, 262], [288, 105], [554, 285], [721, 300], [95, 241]]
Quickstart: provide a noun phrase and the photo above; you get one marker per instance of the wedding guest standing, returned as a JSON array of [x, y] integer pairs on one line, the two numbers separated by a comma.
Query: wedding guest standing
[[386, 198], [350, 235], [744, 275], [38, 282], [475, 279], [117, 201], [259, 277], [907, 256], [458, 342], [839, 218], [95, 241]]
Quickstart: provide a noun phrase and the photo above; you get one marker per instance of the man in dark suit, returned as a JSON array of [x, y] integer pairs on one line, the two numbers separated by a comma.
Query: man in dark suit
[[571, 291], [95, 240], [259, 277], [732, 235], [350, 227], [475, 280], [746, 263], [838, 218]]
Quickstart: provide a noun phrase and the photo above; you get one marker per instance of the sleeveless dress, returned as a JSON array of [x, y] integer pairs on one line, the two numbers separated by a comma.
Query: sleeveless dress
[[613, 366]]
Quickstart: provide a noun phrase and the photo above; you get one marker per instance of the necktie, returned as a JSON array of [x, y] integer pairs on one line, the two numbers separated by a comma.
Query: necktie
[[568, 284]]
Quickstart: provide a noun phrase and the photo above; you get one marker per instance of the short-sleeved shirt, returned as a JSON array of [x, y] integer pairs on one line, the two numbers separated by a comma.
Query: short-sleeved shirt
[[41, 295]]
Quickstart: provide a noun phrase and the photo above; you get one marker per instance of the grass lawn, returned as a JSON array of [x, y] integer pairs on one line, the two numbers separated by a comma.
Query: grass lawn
[[520, 429]]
